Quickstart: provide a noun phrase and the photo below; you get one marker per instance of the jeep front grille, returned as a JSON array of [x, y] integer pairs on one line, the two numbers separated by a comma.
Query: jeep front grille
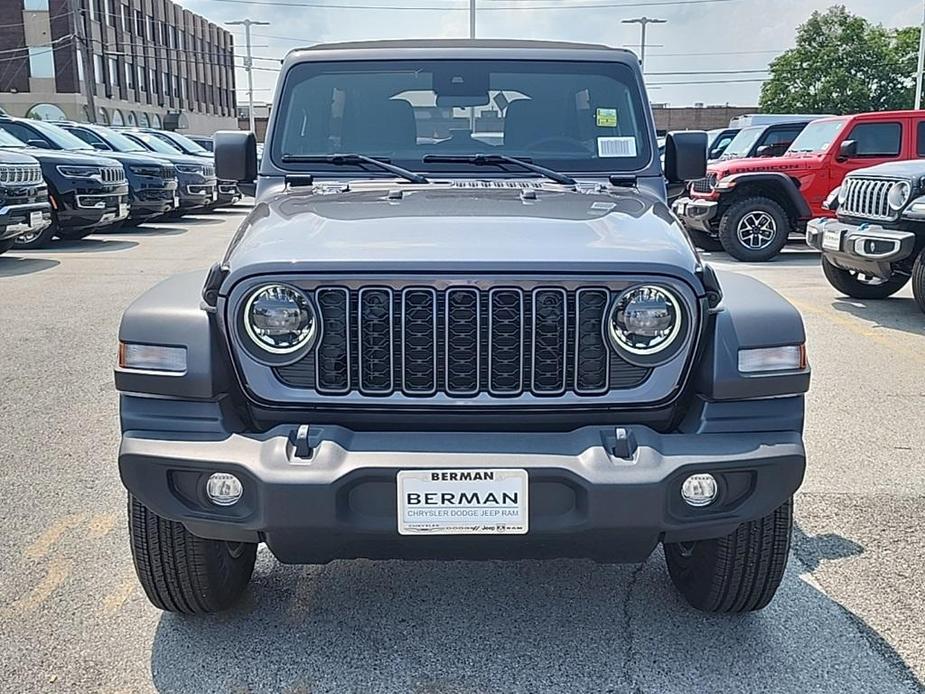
[[208, 170], [20, 174], [462, 341], [704, 185], [867, 198], [112, 174]]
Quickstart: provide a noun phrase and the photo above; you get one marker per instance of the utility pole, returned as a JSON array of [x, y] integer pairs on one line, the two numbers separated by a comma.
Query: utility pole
[[83, 47], [918, 77], [471, 19], [249, 64], [643, 22]]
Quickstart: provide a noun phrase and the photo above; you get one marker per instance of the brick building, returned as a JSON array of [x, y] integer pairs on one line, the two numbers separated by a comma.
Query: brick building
[[152, 63], [697, 117]]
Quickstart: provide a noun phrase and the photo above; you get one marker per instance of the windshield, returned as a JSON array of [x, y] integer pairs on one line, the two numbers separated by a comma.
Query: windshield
[[187, 144], [155, 143], [59, 136], [816, 137], [573, 116], [742, 143], [7, 140], [120, 142]]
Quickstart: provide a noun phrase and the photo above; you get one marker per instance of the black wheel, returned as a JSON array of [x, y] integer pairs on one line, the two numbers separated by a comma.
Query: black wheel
[[36, 239], [860, 286], [176, 214], [704, 241], [737, 573], [184, 573], [918, 281], [76, 234], [754, 229], [6, 245]]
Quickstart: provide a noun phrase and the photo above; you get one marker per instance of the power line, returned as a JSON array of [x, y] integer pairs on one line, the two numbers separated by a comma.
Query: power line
[[704, 72], [449, 8], [663, 84]]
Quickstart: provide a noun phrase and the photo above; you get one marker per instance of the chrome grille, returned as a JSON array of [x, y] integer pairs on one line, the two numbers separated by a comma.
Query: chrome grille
[[867, 198], [208, 170], [462, 341], [20, 174], [112, 174], [168, 171], [704, 185]]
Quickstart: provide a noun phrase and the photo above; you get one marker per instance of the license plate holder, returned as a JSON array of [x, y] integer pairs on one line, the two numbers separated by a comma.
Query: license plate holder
[[35, 219], [463, 502], [831, 240]]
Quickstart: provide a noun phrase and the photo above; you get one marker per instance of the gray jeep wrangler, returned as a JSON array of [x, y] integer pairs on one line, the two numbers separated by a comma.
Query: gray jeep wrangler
[[876, 246], [460, 322]]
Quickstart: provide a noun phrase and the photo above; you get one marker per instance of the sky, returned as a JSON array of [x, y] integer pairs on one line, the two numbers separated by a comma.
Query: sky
[[735, 39]]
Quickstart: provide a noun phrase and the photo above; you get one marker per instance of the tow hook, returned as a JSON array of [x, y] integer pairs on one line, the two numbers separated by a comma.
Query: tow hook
[[625, 445], [298, 439]]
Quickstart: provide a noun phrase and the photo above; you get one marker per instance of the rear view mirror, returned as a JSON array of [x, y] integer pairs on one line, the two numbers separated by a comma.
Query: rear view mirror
[[236, 155], [35, 142], [685, 156], [848, 149]]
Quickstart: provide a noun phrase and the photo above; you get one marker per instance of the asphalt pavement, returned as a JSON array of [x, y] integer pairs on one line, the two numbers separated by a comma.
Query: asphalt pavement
[[848, 617]]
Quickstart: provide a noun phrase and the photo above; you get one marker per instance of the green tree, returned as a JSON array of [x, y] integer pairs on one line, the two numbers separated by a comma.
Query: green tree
[[843, 64]]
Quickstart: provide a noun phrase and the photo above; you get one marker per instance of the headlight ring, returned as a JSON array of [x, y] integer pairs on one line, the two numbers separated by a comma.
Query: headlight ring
[[646, 323], [279, 320], [899, 194]]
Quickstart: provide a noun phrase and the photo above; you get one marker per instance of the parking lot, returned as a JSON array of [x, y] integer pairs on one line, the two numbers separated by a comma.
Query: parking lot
[[73, 617]]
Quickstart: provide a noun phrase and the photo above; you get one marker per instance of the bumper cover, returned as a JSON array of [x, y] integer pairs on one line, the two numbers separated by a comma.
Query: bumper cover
[[868, 248], [18, 219], [695, 213], [585, 501]]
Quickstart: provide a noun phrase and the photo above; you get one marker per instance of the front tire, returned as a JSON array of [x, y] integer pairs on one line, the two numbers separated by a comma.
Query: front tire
[[76, 234], [851, 284], [6, 245], [754, 229], [918, 281], [181, 572], [38, 239], [737, 573]]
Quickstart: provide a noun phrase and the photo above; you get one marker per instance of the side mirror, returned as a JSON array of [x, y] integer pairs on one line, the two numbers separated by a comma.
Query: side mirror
[[848, 149], [685, 156], [715, 153], [236, 155], [35, 142], [764, 151], [102, 146]]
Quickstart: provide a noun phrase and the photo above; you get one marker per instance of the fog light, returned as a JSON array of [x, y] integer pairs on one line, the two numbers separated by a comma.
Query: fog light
[[699, 490], [224, 489]]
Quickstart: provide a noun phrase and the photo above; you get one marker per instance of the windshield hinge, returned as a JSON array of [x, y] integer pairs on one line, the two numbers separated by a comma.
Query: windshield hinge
[[214, 279], [623, 181], [299, 180]]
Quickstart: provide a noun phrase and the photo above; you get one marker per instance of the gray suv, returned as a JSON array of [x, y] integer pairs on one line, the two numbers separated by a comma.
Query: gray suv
[[460, 322]]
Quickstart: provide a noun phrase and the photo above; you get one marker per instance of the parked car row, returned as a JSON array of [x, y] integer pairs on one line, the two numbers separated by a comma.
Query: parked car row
[[69, 180]]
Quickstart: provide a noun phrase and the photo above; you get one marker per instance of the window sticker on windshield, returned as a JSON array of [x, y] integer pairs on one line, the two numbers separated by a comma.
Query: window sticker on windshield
[[607, 118], [616, 147]]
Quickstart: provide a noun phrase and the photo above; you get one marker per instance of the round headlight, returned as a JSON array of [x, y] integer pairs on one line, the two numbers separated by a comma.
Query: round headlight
[[279, 319], [645, 320], [899, 194]]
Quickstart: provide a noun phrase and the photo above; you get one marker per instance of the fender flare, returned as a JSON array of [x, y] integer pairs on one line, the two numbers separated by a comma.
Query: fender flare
[[779, 180]]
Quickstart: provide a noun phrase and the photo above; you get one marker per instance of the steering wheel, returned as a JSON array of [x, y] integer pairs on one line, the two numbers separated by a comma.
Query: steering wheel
[[570, 143]]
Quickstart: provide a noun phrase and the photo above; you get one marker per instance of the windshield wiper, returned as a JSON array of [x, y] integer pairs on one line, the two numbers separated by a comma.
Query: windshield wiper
[[498, 160], [353, 160]]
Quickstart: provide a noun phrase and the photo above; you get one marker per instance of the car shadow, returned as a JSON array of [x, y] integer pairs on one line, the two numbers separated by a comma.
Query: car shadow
[[196, 219], [521, 626], [796, 258], [148, 230], [12, 264], [895, 313], [89, 244]]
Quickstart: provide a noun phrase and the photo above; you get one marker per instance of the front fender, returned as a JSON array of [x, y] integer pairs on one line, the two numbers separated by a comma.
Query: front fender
[[171, 314], [751, 315], [780, 182]]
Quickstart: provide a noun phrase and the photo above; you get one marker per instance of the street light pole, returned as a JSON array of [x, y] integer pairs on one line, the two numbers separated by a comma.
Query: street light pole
[[471, 19], [643, 22], [921, 68], [83, 49], [248, 64]]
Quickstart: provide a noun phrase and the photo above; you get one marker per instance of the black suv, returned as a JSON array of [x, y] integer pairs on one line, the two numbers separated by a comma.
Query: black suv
[[196, 177], [152, 178], [228, 192], [204, 142], [86, 190], [877, 244], [24, 206], [762, 140]]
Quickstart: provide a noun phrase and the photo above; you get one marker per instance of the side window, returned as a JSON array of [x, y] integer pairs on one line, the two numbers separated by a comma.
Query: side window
[[21, 132], [877, 139], [784, 136], [920, 138], [86, 136]]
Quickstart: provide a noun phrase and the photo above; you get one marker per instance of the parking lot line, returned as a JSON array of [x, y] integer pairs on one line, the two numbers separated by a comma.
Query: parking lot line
[[58, 571], [47, 539]]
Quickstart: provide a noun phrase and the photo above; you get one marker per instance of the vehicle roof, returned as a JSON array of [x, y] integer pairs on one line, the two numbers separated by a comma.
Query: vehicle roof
[[398, 48], [875, 115]]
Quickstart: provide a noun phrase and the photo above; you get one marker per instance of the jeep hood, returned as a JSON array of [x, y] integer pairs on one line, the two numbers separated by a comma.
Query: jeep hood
[[444, 228], [785, 164], [911, 168]]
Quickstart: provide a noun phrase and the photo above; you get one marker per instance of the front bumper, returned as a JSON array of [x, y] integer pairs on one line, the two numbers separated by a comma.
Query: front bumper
[[695, 213], [154, 200], [16, 220], [86, 208], [228, 193], [198, 195], [867, 248], [584, 501]]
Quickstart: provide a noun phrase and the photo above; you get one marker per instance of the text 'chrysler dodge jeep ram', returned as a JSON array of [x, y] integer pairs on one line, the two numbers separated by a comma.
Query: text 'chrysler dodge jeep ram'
[[460, 322]]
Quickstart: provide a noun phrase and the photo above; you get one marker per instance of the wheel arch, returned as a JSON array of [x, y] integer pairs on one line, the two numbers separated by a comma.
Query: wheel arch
[[778, 187]]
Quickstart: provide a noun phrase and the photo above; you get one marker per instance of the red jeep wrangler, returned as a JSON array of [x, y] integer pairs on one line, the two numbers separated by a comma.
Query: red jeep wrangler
[[749, 207]]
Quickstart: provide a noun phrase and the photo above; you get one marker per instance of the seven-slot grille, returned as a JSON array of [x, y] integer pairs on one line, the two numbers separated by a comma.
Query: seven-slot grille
[[20, 174], [112, 174], [867, 198], [462, 341], [168, 171], [704, 185], [208, 170]]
